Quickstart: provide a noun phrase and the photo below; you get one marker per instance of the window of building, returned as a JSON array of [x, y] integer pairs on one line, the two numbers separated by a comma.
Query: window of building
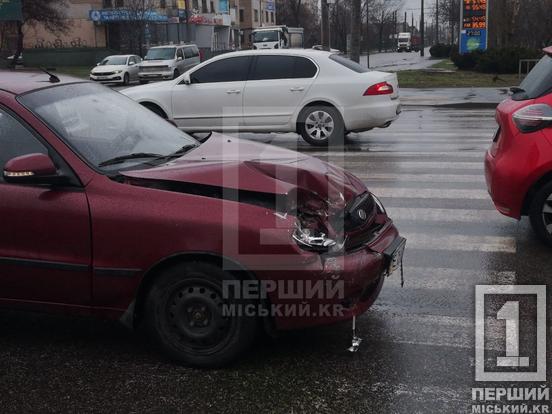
[[107, 4], [195, 5], [162, 4], [212, 7], [256, 14], [266, 16], [272, 17], [204, 6], [242, 17]]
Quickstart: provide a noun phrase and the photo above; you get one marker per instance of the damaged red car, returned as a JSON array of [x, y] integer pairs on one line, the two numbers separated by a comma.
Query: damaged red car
[[109, 210]]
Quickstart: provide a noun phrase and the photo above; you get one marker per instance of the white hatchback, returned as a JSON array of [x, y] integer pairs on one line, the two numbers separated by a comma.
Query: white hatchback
[[321, 95]]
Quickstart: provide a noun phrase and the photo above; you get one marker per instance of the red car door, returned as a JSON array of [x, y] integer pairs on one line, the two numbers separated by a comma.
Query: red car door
[[45, 247]]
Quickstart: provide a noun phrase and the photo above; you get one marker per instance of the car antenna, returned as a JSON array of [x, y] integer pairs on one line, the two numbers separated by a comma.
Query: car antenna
[[53, 78]]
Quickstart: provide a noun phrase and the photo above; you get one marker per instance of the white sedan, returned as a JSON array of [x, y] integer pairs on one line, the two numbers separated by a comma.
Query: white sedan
[[321, 95], [116, 69]]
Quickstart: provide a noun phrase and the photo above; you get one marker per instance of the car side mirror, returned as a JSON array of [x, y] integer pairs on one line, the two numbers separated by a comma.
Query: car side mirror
[[187, 80], [38, 169], [98, 64]]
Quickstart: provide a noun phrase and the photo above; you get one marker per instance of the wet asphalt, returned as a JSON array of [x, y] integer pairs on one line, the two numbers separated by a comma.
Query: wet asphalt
[[418, 349]]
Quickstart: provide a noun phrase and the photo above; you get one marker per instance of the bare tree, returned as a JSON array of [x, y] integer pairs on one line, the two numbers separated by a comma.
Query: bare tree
[[300, 13], [139, 13], [48, 13], [382, 17]]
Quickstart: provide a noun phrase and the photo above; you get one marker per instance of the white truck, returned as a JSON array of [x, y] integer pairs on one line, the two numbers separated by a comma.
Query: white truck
[[404, 42], [278, 37]]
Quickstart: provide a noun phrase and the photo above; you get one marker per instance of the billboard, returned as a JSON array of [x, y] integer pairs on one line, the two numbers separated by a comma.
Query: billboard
[[10, 10], [473, 25]]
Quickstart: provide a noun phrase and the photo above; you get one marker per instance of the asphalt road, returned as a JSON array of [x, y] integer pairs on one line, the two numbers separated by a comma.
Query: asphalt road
[[418, 349]]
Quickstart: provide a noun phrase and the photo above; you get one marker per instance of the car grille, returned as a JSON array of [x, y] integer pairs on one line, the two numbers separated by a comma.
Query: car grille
[[104, 73], [153, 68]]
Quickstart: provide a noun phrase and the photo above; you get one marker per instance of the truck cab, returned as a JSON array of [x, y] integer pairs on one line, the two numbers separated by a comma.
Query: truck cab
[[277, 37], [404, 43]]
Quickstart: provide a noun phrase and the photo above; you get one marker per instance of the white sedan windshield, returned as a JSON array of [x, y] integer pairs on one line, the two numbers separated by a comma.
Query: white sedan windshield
[[102, 125]]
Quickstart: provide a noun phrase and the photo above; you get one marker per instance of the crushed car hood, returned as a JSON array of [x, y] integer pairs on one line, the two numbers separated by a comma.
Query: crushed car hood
[[236, 164]]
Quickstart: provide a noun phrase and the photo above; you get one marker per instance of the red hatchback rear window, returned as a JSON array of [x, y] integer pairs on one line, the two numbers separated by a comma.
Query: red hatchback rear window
[[538, 82]]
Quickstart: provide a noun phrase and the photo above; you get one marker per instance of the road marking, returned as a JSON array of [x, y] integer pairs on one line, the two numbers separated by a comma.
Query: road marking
[[450, 154], [461, 165], [395, 140], [446, 215], [437, 147], [434, 278], [424, 178], [422, 133], [429, 193], [426, 330], [458, 242]]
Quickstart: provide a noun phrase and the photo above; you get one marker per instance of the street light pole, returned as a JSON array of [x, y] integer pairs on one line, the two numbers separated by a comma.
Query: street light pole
[[422, 30]]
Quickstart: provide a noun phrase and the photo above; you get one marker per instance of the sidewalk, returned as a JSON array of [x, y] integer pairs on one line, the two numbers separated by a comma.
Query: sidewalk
[[454, 97]]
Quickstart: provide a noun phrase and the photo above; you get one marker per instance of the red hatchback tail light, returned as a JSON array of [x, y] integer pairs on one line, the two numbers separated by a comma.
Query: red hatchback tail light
[[382, 88], [533, 118]]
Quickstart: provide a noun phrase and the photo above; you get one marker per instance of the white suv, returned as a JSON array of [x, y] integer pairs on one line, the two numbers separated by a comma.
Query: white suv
[[168, 62]]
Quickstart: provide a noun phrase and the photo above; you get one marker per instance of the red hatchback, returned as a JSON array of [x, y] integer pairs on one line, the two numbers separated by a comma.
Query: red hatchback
[[518, 165], [109, 210]]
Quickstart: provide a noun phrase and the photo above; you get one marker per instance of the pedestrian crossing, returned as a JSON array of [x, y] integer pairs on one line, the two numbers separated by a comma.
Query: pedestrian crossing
[[429, 173]]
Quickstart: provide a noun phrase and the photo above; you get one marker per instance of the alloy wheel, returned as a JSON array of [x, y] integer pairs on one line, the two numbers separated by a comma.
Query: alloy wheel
[[319, 125]]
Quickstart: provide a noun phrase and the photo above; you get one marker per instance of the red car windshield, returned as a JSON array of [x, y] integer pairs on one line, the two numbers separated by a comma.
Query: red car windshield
[[102, 125], [538, 82]]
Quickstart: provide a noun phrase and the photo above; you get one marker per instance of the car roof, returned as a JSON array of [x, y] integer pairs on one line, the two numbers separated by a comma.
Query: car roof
[[118, 56], [18, 82], [167, 46], [289, 52]]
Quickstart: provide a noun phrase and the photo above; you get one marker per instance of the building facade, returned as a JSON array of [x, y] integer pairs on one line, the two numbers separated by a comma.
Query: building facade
[[252, 14], [112, 24]]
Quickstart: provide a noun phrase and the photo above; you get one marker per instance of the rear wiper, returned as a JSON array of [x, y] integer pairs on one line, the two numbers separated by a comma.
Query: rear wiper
[[516, 89], [123, 158]]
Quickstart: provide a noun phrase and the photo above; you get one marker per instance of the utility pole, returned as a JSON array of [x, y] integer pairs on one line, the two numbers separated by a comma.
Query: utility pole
[[422, 31], [436, 21], [325, 25], [404, 24], [412, 25], [367, 36], [356, 23]]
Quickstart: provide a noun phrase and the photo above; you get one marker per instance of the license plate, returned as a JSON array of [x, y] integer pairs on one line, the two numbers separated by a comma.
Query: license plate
[[396, 257], [101, 77]]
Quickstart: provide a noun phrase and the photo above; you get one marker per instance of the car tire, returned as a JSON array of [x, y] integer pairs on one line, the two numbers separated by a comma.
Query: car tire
[[321, 126], [126, 79], [540, 214], [176, 74], [184, 315]]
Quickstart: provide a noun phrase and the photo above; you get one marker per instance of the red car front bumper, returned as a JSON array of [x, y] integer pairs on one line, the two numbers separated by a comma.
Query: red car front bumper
[[356, 279]]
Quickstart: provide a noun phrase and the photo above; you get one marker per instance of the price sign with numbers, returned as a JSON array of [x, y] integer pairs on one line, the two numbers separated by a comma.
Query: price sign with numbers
[[473, 24]]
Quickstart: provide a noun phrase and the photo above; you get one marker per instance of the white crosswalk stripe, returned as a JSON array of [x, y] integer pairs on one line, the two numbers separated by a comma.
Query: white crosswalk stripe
[[398, 154], [460, 242], [445, 215], [401, 165], [423, 178], [429, 193]]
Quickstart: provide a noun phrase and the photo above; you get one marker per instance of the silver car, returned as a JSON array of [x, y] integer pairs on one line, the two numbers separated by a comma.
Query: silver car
[[168, 62], [117, 69]]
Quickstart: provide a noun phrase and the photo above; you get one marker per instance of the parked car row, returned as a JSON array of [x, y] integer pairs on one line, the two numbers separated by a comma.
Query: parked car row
[[160, 63]]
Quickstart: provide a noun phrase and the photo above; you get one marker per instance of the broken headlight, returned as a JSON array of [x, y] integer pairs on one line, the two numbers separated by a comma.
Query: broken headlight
[[379, 205], [312, 238]]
